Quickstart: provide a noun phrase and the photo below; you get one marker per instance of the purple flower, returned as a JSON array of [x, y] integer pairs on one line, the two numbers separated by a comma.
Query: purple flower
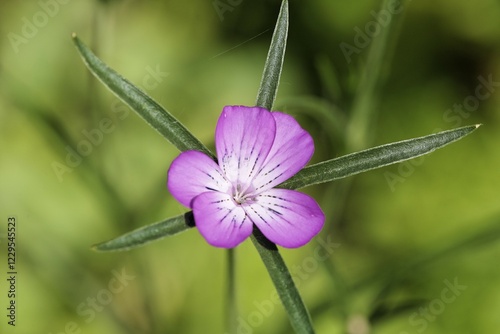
[[257, 150]]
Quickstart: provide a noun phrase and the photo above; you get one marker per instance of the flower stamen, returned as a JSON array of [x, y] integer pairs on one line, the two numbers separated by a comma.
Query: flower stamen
[[241, 195]]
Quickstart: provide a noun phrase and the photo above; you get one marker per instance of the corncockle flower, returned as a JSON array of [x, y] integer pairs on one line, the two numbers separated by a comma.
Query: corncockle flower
[[257, 150]]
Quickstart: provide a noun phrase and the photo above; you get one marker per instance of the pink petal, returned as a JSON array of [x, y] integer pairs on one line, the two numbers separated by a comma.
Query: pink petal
[[193, 173], [220, 221], [292, 149], [286, 217], [244, 137]]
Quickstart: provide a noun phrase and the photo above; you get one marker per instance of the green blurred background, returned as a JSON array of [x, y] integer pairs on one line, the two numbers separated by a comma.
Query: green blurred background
[[403, 234]]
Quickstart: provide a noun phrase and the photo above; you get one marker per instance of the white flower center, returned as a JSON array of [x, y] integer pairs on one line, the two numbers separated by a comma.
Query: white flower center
[[242, 194]]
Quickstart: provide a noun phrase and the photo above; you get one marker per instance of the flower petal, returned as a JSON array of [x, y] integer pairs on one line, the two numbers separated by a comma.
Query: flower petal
[[292, 149], [220, 221], [193, 173], [243, 138], [286, 217]]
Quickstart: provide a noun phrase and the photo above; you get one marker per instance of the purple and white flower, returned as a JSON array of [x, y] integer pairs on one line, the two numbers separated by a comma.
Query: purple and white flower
[[257, 150]]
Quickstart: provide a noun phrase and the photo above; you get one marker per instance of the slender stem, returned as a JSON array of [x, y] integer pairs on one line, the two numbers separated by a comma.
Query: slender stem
[[287, 291], [290, 298], [231, 305]]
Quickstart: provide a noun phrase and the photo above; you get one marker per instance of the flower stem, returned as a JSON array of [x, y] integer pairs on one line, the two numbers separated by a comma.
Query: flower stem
[[289, 295], [287, 291], [231, 308]]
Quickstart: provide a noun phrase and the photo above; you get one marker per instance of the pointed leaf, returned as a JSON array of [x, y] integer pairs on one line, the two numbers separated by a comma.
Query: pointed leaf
[[376, 157], [274, 62], [155, 115], [146, 234]]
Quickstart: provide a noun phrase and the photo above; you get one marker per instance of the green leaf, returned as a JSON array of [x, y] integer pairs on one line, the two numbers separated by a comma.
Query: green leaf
[[274, 62], [146, 234], [156, 116], [289, 295], [376, 157]]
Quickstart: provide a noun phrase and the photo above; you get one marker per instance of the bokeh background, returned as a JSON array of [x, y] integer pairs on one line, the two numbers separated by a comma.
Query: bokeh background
[[399, 236]]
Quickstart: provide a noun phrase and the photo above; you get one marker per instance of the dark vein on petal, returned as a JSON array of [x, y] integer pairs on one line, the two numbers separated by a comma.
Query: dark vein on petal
[[243, 221], [274, 211], [227, 214], [255, 162], [261, 218], [272, 170], [277, 198], [211, 177], [219, 201], [269, 182]]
